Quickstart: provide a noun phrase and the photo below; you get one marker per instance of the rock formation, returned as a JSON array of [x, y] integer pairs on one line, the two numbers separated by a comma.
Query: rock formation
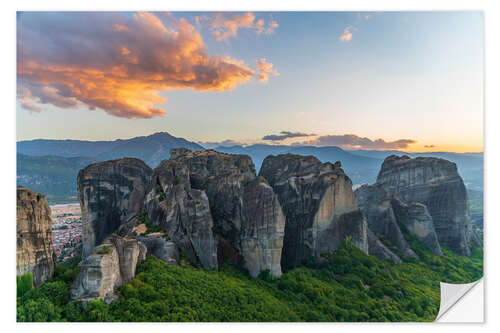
[[182, 212], [377, 249], [375, 203], [435, 183], [417, 220], [212, 208], [112, 265], [247, 218], [262, 229], [319, 205], [161, 248], [34, 252], [111, 193]]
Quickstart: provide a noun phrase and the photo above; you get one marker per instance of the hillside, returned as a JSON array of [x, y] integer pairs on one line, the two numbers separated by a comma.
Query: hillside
[[54, 176], [347, 286], [152, 149]]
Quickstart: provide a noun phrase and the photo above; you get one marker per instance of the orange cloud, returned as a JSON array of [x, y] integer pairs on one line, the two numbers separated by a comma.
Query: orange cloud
[[266, 69], [225, 26], [118, 64], [347, 35]]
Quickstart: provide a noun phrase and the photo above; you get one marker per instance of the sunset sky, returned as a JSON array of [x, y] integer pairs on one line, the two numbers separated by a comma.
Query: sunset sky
[[374, 80]]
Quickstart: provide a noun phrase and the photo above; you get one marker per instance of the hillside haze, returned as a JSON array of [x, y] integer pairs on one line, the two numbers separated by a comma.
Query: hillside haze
[[152, 149], [51, 166]]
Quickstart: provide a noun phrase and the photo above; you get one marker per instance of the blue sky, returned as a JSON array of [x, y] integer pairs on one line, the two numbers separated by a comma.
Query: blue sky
[[416, 76]]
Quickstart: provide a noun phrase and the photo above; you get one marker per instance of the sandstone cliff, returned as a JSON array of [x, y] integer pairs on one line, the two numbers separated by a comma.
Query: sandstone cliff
[[319, 205], [34, 252], [435, 183], [111, 193], [112, 265]]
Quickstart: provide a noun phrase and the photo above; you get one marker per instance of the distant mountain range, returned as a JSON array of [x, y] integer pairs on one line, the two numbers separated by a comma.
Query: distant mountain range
[[51, 166], [152, 149]]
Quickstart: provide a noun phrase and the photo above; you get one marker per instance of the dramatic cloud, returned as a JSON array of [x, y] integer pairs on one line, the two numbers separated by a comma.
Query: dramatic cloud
[[119, 63], [347, 35], [226, 25], [266, 69], [286, 135], [352, 141]]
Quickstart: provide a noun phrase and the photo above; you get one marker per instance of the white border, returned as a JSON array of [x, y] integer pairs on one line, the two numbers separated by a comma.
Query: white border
[[8, 174]]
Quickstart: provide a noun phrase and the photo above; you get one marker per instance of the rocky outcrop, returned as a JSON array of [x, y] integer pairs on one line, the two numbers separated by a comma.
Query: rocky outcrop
[[262, 229], [222, 177], [34, 253], [417, 220], [113, 264], [314, 197], [161, 248], [182, 212], [111, 193], [248, 220], [435, 183], [377, 249], [375, 203]]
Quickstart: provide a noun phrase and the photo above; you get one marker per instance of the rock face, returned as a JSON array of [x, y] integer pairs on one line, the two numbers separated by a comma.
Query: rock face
[[247, 218], [161, 248], [34, 252], [212, 208], [375, 203], [378, 249], [319, 205], [110, 193], [112, 265], [182, 212], [435, 183], [262, 229], [416, 218]]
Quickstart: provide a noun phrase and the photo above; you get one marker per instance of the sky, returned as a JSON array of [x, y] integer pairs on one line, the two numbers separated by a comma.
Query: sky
[[410, 81]]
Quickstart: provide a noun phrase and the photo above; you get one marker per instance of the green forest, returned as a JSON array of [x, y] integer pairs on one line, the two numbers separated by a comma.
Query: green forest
[[346, 285]]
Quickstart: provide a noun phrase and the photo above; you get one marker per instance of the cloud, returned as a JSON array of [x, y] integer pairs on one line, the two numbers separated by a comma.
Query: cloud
[[115, 62], [346, 35], [352, 141], [226, 25], [30, 106], [266, 69], [429, 146], [286, 135], [225, 143]]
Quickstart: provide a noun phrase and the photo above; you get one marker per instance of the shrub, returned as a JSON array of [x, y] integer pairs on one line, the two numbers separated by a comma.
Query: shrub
[[104, 250], [24, 283]]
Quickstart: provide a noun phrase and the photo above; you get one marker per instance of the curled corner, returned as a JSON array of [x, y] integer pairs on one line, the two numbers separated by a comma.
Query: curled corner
[[453, 294]]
